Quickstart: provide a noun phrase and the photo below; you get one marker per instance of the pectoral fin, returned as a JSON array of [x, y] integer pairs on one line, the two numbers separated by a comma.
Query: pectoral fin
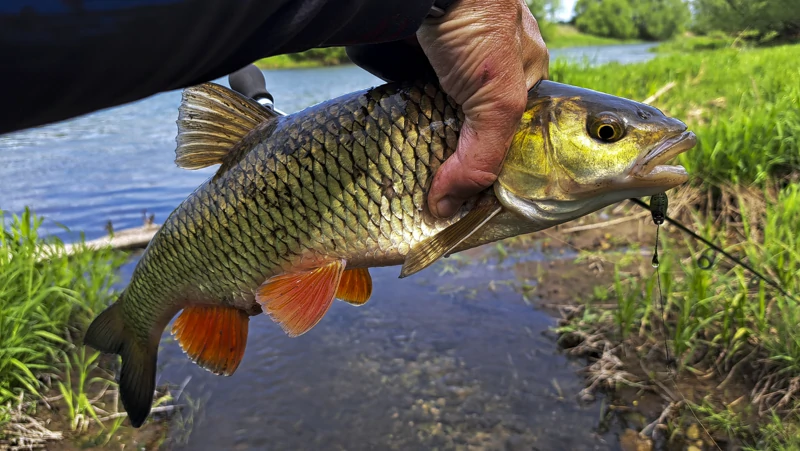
[[213, 336], [428, 251], [355, 287], [298, 300]]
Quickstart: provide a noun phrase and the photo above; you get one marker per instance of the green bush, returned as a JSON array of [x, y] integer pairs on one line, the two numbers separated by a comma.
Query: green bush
[[610, 18], [658, 20], [44, 296], [626, 19], [780, 18]]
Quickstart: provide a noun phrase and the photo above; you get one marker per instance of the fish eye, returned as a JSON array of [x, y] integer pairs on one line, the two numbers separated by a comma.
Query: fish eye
[[607, 128]]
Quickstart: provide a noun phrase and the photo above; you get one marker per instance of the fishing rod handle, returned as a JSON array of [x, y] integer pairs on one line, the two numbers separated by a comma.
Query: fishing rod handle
[[249, 81]]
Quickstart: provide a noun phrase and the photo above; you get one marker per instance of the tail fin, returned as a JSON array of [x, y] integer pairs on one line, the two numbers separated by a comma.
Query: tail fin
[[137, 378]]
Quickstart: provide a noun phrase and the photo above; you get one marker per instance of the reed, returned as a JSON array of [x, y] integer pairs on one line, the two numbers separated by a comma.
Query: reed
[[44, 304], [744, 106]]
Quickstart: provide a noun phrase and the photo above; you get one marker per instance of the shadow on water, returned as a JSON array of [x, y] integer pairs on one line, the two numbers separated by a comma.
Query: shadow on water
[[435, 360]]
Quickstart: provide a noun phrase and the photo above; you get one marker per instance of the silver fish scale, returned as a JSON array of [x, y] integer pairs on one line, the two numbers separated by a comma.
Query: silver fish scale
[[344, 179]]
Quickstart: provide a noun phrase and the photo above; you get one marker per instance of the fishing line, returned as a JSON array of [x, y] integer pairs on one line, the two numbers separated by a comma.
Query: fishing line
[[708, 261], [658, 210], [659, 204]]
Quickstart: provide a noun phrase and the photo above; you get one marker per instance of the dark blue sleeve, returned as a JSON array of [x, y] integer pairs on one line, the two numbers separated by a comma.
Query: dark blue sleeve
[[63, 58]]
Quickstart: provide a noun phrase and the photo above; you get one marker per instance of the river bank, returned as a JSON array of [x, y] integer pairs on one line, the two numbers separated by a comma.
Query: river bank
[[561, 37], [54, 392], [734, 341], [732, 337]]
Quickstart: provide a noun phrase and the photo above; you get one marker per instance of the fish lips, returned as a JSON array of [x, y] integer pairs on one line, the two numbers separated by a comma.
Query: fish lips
[[649, 169]]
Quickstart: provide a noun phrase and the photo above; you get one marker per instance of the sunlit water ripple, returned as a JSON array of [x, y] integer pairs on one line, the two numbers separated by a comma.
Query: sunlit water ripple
[[433, 360]]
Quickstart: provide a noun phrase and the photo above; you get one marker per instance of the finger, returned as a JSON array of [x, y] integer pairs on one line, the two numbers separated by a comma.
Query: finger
[[483, 142]]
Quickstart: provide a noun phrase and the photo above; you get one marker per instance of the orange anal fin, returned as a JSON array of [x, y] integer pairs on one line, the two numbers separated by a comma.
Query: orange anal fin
[[213, 336], [298, 300], [355, 287]]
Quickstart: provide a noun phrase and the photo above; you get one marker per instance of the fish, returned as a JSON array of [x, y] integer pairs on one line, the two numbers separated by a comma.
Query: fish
[[302, 205]]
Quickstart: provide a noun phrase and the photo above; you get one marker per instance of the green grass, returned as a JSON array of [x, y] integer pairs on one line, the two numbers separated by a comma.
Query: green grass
[[742, 104], [688, 44], [721, 319], [719, 40], [560, 36], [331, 56], [44, 304]]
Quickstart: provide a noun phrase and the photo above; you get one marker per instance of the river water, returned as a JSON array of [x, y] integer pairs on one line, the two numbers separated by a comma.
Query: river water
[[450, 356]]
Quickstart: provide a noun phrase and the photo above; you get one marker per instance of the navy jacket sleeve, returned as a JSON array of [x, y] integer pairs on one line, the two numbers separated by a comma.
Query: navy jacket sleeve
[[63, 58]]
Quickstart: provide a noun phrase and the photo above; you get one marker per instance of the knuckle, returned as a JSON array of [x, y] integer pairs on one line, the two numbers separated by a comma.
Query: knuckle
[[510, 106], [479, 178], [543, 53], [481, 167]]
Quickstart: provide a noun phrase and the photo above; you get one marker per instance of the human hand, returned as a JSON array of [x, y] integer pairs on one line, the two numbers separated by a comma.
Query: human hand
[[486, 56]]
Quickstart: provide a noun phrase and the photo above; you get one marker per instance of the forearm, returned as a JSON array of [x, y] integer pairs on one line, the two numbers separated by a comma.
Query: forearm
[[77, 57]]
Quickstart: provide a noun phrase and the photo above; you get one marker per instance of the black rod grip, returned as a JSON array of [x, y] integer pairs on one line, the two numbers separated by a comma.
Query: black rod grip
[[249, 81]]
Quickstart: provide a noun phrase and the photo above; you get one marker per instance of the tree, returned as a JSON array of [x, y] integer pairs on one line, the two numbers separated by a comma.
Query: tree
[[611, 18], [544, 11], [625, 19], [659, 20], [764, 17]]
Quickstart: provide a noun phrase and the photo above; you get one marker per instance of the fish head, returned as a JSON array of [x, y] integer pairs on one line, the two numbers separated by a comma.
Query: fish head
[[578, 150]]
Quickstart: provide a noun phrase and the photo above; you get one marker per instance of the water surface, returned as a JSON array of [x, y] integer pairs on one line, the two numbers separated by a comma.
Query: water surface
[[114, 164], [436, 360]]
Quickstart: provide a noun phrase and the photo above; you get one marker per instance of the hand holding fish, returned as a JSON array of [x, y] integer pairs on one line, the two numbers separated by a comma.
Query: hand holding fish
[[486, 59], [303, 205]]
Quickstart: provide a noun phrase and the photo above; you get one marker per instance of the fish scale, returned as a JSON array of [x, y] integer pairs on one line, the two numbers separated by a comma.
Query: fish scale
[[328, 153], [301, 205]]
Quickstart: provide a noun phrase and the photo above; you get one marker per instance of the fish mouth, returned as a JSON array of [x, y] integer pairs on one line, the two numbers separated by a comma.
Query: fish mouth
[[649, 168]]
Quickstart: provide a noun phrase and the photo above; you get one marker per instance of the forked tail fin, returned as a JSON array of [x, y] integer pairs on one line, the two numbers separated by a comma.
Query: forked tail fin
[[137, 379]]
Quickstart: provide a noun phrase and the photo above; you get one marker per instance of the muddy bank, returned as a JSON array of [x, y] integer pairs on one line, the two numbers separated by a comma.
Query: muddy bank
[[60, 423], [706, 381]]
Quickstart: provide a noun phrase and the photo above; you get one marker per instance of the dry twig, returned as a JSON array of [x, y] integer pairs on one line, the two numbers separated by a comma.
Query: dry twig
[[647, 432], [24, 432]]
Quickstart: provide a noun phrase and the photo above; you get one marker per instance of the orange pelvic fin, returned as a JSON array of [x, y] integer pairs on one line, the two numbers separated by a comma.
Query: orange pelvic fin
[[213, 336], [355, 287], [298, 300]]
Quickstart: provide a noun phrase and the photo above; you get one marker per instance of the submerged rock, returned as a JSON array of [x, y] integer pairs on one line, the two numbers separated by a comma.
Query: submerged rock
[[630, 440]]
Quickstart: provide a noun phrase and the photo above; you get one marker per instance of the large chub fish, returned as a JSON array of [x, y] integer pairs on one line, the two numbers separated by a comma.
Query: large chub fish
[[302, 205]]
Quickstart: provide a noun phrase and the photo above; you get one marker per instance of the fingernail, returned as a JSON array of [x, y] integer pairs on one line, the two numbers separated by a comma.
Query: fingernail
[[446, 207]]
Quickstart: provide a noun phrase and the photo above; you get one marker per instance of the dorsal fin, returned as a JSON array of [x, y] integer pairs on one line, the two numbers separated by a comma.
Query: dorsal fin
[[212, 119]]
